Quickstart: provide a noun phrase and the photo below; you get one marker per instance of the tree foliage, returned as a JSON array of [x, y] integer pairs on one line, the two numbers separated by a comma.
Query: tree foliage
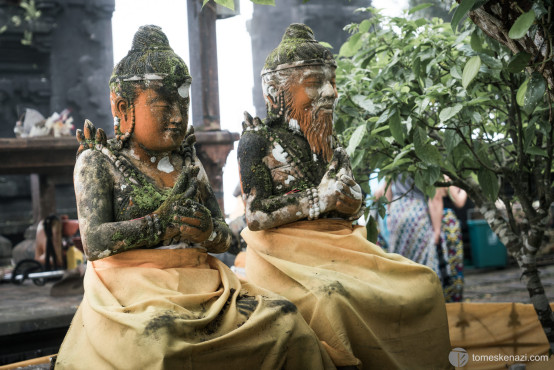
[[430, 9], [417, 98]]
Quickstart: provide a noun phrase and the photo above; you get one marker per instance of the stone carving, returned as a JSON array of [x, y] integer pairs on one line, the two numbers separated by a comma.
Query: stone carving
[[154, 297], [369, 308]]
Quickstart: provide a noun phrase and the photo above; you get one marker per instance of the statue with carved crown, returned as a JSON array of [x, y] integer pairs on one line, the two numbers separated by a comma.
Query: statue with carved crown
[[369, 308], [154, 298]]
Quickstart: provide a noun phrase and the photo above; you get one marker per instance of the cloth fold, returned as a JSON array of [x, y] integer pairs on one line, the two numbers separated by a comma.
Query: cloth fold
[[368, 307], [183, 309]]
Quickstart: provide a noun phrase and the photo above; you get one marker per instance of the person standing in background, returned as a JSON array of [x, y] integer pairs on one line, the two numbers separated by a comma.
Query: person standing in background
[[447, 234]]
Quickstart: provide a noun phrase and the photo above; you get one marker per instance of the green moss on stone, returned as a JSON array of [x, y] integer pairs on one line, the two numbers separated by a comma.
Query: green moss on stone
[[298, 44], [117, 236]]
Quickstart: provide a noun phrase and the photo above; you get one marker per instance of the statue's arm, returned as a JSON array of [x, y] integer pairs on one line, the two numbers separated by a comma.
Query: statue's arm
[[101, 235], [265, 210], [220, 238]]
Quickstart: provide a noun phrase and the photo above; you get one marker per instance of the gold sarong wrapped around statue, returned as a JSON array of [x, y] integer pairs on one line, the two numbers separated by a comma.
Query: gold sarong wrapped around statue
[[365, 305], [183, 309]]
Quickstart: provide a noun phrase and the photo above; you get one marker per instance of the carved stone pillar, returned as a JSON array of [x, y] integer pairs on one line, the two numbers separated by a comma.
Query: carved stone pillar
[[213, 147]]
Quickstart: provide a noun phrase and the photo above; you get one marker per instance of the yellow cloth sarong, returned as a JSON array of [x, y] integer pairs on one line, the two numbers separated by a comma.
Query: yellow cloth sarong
[[366, 306], [183, 309]]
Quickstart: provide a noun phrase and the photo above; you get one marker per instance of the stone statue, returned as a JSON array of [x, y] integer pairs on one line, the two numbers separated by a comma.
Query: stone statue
[[369, 308], [154, 297]]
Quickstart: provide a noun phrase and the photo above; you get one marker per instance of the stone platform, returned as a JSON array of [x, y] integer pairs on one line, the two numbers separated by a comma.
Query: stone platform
[[32, 323]]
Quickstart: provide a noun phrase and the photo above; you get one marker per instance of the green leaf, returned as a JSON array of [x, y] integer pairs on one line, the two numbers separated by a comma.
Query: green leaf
[[396, 128], [226, 3], [396, 164], [475, 42], [419, 7], [426, 152], [357, 158], [491, 62], [371, 228], [419, 180], [365, 187], [529, 135], [325, 44], [421, 22], [533, 150], [522, 25], [381, 205], [416, 67], [432, 174], [352, 46], [470, 70], [365, 103], [449, 112], [264, 2], [399, 160], [364, 26], [456, 72], [380, 129], [460, 12], [356, 139], [535, 91], [479, 101], [489, 183], [385, 116], [520, 96], [420, 138], [479, 3], [423, 105], [451, 140], [518, 62]]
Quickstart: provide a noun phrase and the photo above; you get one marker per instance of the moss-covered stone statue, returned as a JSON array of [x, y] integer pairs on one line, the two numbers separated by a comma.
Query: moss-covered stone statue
[[369, 308], [154, 297]]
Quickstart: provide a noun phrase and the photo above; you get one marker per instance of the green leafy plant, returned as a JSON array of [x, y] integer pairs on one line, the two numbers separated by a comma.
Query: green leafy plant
[[30, 14], [417, 98]]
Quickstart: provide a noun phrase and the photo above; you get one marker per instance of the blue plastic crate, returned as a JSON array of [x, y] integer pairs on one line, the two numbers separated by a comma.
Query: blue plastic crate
[[486, 249]]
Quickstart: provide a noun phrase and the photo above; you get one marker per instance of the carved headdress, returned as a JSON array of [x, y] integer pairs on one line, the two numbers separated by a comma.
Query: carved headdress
[[298, 48], [150, 59]]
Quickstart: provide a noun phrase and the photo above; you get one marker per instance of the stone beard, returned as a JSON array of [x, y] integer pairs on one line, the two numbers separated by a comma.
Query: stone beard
[[316, 123]]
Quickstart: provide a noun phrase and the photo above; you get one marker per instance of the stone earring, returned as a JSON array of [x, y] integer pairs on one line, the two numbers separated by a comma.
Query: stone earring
[[116, 121], [121, 138]]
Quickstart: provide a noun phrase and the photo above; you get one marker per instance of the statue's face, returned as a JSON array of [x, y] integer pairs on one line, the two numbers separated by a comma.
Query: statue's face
[[161, 119], [310, 94], [312, 89]]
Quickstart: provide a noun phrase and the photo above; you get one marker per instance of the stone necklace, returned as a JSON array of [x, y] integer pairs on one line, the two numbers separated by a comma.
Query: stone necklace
[[146, 196]]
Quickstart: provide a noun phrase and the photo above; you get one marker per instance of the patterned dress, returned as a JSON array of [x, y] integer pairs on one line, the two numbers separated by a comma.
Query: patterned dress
[[453, 250], [409, 224]]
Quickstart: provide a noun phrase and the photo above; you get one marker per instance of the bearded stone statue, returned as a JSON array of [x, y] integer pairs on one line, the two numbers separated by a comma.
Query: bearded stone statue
[[369, 308]]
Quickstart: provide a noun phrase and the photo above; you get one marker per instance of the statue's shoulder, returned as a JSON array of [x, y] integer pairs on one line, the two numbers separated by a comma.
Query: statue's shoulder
[[95, 150]]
